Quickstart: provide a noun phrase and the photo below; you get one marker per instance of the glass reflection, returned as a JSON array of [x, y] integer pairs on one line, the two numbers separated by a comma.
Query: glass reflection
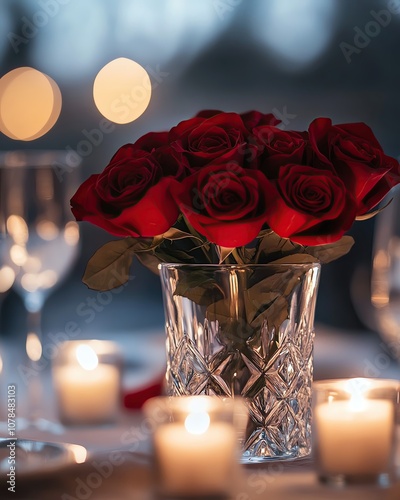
[[385, 283]]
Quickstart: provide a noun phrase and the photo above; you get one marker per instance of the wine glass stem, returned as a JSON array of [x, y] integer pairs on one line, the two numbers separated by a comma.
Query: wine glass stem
[[34, 323], [34, 352]]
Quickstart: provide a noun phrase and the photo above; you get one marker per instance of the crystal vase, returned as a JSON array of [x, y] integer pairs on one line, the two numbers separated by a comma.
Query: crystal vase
[[246, 330]]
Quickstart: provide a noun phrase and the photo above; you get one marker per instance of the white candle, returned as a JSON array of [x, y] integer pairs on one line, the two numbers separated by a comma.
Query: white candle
[[88, 391], [195, 458], [355, 437]]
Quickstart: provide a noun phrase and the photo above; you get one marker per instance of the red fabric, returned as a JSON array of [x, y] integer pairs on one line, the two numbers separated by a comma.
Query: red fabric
[[134, 400]]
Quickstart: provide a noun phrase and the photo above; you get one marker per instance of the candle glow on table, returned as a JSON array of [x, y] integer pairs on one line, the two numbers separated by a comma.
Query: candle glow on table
[[355, 436], [196, 455], [88, 391]]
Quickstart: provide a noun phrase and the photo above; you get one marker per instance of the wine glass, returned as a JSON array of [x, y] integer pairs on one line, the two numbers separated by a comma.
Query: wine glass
[[39, 240], [385, 281]]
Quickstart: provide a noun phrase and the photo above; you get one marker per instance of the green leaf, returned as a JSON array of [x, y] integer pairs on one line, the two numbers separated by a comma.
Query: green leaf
[[232, 324], [297, 258], [153, 258], [267, 300], [177, 234], [369, 215], [271, 278], [149, 260], [281, 282], [199, 287], [274, 314], [264, 232], [200, 295], [328, 253], [272, 247], [259, 301], [141, 244], [247, 254], [174, 256], [193, 231], [109, 267]]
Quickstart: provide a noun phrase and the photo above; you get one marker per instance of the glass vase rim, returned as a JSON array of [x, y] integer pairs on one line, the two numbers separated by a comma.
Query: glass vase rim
[[183, 266], [37, 158]]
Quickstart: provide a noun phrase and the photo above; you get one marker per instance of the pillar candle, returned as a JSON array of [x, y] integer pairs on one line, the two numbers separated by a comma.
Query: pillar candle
[[88, 391], [355, 439]]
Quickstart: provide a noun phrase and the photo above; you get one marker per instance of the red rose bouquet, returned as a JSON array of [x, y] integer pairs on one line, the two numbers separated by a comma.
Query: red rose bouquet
[[233, 188]]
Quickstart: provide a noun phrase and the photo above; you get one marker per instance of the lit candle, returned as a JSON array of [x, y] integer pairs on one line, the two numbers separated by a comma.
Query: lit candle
[[88, 391], [354, 436], [195, 455]]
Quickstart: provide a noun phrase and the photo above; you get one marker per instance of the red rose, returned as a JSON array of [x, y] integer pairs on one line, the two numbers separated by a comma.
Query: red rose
[[208, 113], [308, 205], [173, 163], [130, 198], [354, 153], [253, 119], [202, 140], [280, 147], [151, 141], [250, 119], [225, 203]]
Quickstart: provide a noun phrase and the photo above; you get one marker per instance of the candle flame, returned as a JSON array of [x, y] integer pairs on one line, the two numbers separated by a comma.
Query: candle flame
[[357, 388], [197, 423], [79, 452], [357, 403], [86, 357]]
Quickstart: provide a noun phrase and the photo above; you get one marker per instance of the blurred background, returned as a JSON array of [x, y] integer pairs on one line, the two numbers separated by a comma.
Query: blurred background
[[297, 58]]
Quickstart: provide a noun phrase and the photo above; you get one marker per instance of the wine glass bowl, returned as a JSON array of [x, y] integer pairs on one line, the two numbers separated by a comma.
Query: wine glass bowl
[[39, 241], [40, 237], [385, 280]]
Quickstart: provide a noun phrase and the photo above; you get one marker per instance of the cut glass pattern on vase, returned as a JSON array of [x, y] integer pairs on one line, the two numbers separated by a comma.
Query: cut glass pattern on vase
[[248, 331]]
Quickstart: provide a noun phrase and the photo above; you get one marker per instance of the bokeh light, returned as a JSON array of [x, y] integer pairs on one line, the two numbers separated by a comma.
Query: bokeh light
[[33, 347], [71, 233], [81, 36], [296, 33], [18, 229], [30, 104], [122, 90], [7, 277]]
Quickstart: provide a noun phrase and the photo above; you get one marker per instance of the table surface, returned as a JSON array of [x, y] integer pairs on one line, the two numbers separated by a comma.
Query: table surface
[[130, 475]]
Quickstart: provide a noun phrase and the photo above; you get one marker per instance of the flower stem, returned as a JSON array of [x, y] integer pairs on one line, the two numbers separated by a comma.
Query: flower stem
[[199, 237], [235, 254]]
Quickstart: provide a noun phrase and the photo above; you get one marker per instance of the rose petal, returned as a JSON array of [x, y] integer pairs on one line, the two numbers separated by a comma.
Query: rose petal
[[323, 218], [223, 225]]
